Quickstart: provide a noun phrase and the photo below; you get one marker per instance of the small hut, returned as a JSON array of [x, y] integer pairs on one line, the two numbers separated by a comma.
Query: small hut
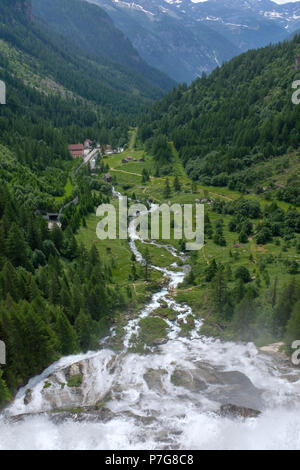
[[107, 178]]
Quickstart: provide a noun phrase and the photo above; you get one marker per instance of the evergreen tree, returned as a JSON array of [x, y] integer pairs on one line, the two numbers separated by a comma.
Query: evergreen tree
[[147, 263], [167, 189], [293, 325], [245, 316], [177, 185], [4, 392]]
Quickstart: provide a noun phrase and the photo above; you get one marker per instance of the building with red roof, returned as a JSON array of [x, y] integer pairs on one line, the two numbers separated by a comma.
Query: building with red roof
[[76, 150]]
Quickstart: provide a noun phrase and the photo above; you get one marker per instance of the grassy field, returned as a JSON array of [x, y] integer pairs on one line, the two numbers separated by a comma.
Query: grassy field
[[117, 256], [68, 191], [128, 176]]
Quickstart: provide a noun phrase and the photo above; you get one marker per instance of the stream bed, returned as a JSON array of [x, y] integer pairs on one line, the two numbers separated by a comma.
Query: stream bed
[[169, 398]]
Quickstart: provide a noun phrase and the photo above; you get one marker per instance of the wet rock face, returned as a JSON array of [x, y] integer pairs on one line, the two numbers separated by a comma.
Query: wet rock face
[[188, 379], [239, 390], [230, 387], [65, 389], [160, 341], [153, 378], [86, 414], [90, 414], [220, 386], [28, 396], [234, 411]]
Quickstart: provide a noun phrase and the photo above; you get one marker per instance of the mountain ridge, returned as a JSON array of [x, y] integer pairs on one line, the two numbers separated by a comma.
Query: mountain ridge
[[187, 38]]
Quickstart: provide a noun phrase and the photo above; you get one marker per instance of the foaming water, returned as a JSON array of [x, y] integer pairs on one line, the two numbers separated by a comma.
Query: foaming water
[[167, 399]]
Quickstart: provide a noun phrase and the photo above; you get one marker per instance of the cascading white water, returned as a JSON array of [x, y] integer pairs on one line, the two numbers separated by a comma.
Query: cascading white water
[[145, 409]]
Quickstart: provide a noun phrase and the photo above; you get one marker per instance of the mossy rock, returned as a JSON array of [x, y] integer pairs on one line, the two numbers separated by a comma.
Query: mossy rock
[[75, 381], [165, 312], [47, 384], [190, 320], [172, 316], [68, 410], [187, 326], [28, 396], [188, 379], [151, 329]]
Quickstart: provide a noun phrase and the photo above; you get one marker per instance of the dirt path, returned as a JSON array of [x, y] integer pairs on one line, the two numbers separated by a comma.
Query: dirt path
[[204, 256], [127, 172], [188, 289], [135, 174], [252, 247], [221, 195]]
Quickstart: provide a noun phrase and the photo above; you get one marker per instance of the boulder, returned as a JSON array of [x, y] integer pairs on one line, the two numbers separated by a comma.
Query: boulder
[[28, 396], [153, 378], [160, 341], [237, 389], [188, 379], [235, 411]]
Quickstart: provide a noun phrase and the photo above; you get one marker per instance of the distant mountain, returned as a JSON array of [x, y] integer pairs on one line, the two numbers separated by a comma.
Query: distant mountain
[[175, 45], [187, 37], [92, 30], [294, 33]]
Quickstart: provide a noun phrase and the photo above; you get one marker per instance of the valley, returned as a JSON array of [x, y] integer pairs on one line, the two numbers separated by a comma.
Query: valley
[[139, 343], [113, 399]]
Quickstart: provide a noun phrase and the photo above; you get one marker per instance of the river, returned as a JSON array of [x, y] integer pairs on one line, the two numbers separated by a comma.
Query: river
[[168, 399]]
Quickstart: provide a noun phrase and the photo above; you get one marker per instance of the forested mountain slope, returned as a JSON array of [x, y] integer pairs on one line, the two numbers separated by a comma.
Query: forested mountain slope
[[56, 298], [53, 57], [92, 30], [236, 127]]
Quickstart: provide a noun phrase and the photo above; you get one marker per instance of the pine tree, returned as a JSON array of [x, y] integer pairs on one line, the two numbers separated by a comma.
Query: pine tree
[[244, 316], [66, 335], [284, 307], [4, 392], [147, 263], [293, 326], [177, 185], [84, 327], [167, 189], [17, 248]]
